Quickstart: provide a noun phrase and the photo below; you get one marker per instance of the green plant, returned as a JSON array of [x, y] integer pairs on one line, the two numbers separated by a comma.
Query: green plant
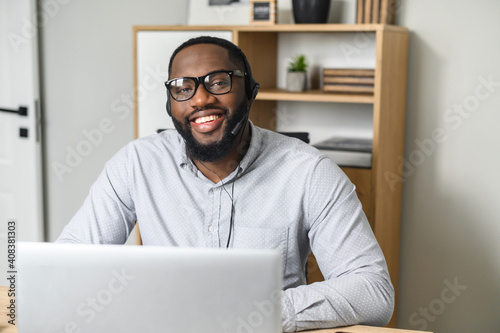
[[298, 64]]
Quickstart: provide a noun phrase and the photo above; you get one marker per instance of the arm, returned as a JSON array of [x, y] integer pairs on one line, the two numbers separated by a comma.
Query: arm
[[357, 287], [108, 213]]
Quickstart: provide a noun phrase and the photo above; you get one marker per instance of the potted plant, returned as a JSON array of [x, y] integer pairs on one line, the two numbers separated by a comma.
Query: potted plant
[[297, 74]]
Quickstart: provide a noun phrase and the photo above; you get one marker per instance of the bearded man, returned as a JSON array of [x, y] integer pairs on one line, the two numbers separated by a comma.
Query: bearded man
[[218, 181]]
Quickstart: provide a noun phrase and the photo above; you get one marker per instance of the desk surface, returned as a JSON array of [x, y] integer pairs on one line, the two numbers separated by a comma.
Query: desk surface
[[364, 329], [5, 327]]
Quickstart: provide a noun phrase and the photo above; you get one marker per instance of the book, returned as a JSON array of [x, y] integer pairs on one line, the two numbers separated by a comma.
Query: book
[[351, 88], [349, 79], [346, 144], [346, 80], [387, 11], [359, 12], [368, 11], [376, 11], [349, 152], [348, 72]]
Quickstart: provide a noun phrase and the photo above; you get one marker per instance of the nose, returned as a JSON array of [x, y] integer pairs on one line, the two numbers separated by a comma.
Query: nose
[[202, 97]]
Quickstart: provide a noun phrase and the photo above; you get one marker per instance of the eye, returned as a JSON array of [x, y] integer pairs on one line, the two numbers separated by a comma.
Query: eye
[[183, 90], [182, 87], [219, 82]]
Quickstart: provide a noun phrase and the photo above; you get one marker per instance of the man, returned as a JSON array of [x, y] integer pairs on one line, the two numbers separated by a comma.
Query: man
[[220, 181]]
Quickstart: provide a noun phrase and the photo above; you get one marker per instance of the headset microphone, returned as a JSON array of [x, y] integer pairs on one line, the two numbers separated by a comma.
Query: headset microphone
[[244, 119], [237, 128]]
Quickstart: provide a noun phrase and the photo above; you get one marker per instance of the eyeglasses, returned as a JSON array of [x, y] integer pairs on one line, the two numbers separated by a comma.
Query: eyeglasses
[[217, 83]]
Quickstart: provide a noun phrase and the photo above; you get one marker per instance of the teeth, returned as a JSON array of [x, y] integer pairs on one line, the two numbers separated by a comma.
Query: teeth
[[207, 118]]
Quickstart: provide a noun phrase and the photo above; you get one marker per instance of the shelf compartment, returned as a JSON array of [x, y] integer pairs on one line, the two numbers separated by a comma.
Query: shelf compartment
[[313, 96]]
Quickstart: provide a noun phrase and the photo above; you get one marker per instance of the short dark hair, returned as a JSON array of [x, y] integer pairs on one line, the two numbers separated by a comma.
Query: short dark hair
[[234, 52]]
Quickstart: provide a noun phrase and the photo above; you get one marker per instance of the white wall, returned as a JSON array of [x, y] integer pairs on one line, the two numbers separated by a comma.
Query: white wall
[[87, 78], [451, 206]]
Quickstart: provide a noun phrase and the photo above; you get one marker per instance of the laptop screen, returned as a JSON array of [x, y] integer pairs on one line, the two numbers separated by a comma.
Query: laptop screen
[[113, 288]]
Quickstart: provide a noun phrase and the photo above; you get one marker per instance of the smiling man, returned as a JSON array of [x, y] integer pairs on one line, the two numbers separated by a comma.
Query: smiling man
[[218, 181], [209, 110]]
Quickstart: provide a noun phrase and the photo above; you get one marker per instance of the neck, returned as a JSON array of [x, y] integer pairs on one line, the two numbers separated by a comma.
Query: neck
[[220, 169]]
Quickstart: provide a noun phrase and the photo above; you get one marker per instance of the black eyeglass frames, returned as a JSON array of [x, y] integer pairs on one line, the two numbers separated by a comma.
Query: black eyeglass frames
[[217, 83]]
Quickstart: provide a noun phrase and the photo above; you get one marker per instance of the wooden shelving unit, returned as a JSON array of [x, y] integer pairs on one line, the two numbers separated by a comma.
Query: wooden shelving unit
[[312, 96], [381, 197]]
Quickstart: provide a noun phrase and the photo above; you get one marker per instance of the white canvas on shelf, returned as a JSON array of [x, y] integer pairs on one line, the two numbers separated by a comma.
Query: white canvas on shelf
[[201, 13]]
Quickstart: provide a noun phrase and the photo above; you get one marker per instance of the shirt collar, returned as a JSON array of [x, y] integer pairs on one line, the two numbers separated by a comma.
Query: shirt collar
[[254, 148], [251, 155]]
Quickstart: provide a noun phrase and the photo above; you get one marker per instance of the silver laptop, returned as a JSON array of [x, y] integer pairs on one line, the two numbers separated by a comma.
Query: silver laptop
[[112, 288]]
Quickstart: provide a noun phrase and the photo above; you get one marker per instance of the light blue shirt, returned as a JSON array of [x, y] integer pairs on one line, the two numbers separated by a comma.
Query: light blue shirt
[[287, 196]]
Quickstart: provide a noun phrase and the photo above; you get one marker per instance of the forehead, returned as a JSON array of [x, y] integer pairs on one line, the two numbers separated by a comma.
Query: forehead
[[200, 59]]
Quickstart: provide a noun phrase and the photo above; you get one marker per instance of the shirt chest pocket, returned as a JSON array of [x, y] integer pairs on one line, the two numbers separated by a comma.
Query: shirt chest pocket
[[262, 238]]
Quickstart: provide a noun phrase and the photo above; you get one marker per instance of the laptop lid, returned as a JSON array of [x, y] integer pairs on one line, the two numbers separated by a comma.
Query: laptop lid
[[112, 288]]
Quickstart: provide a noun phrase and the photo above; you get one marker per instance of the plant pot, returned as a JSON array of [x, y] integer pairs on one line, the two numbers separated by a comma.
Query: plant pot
[[296, 81], [310, 11]]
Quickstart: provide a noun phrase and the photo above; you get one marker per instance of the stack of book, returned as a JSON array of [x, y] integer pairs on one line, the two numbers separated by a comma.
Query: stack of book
[[348, 80], [376, 11], [348, 152]]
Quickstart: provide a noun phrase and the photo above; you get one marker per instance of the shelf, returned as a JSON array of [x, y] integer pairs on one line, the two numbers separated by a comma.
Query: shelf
[[313, 96], [283, 28], [321, 28]]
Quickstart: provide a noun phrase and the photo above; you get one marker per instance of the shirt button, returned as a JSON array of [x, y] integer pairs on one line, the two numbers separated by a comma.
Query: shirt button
[[211, 228]]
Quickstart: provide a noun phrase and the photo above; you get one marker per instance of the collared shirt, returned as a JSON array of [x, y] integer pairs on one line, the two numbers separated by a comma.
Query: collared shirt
[[286, 196]]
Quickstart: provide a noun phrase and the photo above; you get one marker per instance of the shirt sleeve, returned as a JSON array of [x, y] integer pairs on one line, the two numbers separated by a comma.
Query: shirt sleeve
[[108, 214], [357, 288]]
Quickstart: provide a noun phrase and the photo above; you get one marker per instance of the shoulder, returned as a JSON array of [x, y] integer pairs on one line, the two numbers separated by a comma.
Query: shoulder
[[294, 154], [276, 143], [283, 148], [166, 144], [168, 139]]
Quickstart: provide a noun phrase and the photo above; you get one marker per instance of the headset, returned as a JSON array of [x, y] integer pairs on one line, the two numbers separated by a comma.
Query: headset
[[251, 89]]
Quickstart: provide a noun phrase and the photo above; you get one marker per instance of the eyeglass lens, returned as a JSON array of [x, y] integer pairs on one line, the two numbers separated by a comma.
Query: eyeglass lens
[[216, 83]]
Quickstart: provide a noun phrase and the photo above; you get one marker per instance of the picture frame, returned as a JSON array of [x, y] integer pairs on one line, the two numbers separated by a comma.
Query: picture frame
[[263, 12], [210, 12]]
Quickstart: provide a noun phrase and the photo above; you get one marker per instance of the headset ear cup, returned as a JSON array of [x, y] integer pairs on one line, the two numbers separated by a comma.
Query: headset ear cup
[[255, 90], [169, 106]]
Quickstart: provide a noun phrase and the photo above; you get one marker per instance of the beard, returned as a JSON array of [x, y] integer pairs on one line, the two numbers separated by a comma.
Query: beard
[[216, 150]]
